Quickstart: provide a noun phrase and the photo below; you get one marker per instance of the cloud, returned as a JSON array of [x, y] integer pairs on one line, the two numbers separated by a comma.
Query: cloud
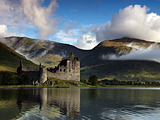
[[11, 14], [132, 21], [24, 14], [4, 9], [137, 53], [6, 14], [86, 41], [41, 17], [70, 36], [4, 31], [70, 25], [36, 53]]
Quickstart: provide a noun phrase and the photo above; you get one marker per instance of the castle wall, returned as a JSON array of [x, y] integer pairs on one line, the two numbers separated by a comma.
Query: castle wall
[[68, 69], [43, 75], [31, 74], [69, 72]]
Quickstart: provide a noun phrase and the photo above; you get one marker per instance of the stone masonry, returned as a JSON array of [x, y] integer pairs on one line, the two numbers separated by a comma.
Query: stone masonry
[[68, 69], [33, 73]]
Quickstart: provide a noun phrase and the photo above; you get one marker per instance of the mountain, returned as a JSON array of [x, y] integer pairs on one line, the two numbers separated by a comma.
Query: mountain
[[49, 53], [9, 59]]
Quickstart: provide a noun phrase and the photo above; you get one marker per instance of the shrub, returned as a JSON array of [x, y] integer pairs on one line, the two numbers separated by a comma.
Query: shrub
[[93, 79], [8, 78]]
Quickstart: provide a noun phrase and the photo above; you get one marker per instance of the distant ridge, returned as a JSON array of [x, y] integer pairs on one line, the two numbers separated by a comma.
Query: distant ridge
[[127, 39]]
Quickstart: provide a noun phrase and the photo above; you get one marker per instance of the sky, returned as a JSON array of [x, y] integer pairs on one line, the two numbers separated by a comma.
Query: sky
[[82, 23]]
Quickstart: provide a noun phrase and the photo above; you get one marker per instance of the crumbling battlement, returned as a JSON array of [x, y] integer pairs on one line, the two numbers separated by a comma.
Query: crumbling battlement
[[68, 69], [33, 73]]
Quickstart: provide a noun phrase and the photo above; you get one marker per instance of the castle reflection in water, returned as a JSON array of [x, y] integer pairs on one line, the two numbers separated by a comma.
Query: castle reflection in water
[[49, 103]]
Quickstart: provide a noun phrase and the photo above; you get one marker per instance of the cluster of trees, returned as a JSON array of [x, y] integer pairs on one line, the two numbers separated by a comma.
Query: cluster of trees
[[93, 80], [9, 78], [151, 83], [115, 82]]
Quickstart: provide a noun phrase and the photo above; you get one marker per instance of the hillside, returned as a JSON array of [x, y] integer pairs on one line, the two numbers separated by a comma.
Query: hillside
[[124, 70], [116, 47], [120, 69], [49, 53], [9, 59]]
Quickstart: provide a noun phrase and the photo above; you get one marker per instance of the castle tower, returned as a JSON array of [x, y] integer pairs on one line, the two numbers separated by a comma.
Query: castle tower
[[71, 56], [20, 68], [42, 74], [21, 64], [73, 66]]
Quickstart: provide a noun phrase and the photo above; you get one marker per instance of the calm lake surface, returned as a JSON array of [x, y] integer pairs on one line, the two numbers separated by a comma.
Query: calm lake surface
[[80, 103]]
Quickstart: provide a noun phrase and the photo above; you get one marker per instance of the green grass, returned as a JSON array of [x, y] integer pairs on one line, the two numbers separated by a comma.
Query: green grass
[[9, 59], [124, 70], [65, 83], [48, 60], [82, 86]]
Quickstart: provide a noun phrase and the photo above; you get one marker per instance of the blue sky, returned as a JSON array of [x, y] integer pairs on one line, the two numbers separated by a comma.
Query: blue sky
[[82, 23]]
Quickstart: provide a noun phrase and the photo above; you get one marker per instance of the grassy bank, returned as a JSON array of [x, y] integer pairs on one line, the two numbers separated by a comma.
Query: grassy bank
[[82, 86], [11, 80]]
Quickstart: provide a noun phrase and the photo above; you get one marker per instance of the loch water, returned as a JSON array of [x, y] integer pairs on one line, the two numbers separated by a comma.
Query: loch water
[[80, 103]]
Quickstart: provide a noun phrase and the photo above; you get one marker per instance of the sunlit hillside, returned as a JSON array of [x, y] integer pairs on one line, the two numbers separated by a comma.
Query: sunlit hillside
[[9, 59]]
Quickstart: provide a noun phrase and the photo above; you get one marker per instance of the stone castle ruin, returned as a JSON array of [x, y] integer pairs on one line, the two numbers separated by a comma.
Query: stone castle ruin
[[68, 69]]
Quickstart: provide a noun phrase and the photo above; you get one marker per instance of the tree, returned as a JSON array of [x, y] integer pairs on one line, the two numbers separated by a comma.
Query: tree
[[8, 78], [93, 79], [24, 79]]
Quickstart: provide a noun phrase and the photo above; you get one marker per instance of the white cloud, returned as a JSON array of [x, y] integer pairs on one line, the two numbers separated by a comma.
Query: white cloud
[[4, 9], [132, 21], [4, 31], [137, 53], [74, 36], [24, 14], [86, 41], [6, 16], [41, 17], [70, 36]]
